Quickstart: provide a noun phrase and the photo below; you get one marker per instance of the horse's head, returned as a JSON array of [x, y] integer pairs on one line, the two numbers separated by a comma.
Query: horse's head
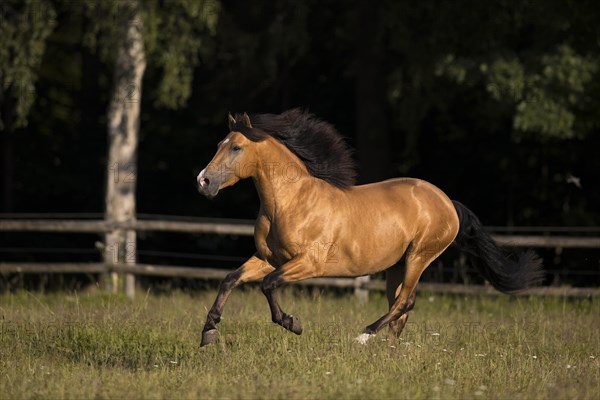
[[234, 160]]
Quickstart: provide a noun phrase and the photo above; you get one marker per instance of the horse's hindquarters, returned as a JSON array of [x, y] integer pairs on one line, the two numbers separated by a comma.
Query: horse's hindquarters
[[378, 223]]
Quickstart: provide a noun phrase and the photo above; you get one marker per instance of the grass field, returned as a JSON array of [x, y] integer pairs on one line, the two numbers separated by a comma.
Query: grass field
[[93, 345]]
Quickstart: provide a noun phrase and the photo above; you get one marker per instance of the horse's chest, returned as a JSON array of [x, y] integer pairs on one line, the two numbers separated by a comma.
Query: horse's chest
[[277, 247]]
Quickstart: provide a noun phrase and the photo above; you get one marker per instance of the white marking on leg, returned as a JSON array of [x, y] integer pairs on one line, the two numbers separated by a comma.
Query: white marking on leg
[[363, 338]]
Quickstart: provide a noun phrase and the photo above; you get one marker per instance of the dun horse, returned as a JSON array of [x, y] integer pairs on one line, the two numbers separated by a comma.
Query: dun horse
[[313, 221]]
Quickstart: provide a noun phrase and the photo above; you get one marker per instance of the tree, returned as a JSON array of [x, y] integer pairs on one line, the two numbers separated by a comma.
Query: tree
[[123, 129], [170, 35]]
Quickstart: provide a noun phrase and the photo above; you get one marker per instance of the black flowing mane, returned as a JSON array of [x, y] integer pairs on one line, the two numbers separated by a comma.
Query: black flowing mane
[[317, 143]]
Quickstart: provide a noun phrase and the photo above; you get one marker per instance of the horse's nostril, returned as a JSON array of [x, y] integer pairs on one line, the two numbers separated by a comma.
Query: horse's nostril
[[204, 182]]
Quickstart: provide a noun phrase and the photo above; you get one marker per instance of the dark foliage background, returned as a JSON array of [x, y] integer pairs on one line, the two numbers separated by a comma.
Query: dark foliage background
[[495, 102]]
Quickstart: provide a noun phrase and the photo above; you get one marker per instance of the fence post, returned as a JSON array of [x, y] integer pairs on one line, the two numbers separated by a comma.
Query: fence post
[[130, 258], [360, 291], [111, 257], [121, 248]]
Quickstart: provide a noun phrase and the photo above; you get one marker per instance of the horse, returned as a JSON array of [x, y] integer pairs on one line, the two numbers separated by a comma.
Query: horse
[[314, 222]]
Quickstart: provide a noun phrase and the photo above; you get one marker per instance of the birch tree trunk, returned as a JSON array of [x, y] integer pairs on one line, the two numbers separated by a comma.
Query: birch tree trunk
[[123, 127]]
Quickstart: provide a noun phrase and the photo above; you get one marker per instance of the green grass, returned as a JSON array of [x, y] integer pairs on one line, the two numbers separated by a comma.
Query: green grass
[[95, 345]]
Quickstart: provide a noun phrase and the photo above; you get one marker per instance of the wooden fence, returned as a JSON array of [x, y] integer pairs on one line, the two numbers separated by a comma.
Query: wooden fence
[[361, 285]]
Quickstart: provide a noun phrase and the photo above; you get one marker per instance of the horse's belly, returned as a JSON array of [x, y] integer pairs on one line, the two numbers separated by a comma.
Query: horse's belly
[[366, 256]]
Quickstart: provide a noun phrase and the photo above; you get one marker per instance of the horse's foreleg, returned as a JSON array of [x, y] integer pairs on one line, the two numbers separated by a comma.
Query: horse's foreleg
[[254, 269], [292, 271]]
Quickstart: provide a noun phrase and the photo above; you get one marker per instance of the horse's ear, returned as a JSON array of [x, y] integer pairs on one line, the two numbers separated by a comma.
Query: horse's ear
[[232, 121], [246, 120]]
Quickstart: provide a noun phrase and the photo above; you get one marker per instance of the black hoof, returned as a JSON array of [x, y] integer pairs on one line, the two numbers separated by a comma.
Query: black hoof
[[208, 337], [293, 324]]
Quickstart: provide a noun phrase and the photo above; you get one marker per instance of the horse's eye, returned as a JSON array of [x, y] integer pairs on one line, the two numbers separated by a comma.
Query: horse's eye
[[236, 148]]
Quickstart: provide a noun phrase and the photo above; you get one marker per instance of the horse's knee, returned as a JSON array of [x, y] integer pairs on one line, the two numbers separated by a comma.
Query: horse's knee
[[231, 281], [269, 284]]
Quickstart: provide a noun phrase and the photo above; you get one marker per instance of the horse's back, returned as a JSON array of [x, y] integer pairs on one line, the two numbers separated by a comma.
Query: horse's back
[[414, 191], [422, 207]]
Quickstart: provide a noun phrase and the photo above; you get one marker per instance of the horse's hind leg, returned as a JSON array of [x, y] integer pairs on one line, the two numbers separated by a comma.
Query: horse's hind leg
[[393, 279], [396, 326], [416, 262]]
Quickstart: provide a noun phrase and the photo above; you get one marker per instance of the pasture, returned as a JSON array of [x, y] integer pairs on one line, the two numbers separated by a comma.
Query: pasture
[[95, 345]]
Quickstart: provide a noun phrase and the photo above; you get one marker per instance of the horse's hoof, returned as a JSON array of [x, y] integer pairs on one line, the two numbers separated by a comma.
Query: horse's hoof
[[208, 337], [293, 324], [363, 338]]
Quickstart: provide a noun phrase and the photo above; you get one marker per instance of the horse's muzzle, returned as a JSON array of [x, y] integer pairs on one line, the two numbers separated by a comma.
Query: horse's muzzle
[[207, 186]]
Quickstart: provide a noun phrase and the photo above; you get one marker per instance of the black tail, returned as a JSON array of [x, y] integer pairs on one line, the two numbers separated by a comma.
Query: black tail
[[491, 261]]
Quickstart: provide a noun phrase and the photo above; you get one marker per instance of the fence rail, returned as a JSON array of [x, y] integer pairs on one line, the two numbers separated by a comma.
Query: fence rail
[[221, 227], [246, 228], [219, 274]]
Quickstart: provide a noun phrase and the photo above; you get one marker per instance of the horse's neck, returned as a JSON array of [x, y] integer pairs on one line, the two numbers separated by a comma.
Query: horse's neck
[[280, 182]]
